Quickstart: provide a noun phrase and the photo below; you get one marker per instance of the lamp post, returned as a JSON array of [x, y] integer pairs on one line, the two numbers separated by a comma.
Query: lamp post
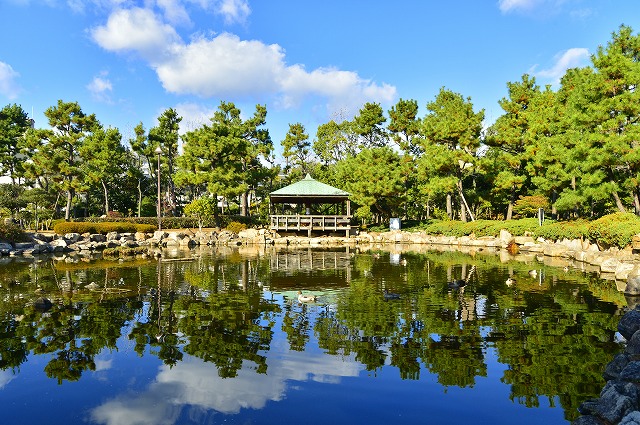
[[158, 152]]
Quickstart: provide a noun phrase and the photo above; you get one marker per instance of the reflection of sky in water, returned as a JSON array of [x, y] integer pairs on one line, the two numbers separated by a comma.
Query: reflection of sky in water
[[195, 383], [6, 376]]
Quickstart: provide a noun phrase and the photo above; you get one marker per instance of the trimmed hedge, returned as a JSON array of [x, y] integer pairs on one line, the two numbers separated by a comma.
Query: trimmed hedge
[[177, 222], [614, 229], [611, 230], [102, 228]]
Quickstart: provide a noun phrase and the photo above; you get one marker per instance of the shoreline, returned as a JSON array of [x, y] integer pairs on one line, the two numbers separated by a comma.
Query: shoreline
[[619, 265]]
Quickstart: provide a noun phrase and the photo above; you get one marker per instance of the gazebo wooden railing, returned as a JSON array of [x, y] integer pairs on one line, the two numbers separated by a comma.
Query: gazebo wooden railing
[[311, 222]]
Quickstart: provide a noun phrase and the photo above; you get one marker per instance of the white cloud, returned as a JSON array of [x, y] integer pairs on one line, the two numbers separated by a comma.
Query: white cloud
[[138, 30], [234, 11], [195, 384], [193, 116], [174, 12], [101, 87], [8, 85], [572, 58], [6, 376], [225, 65], [507, 6]]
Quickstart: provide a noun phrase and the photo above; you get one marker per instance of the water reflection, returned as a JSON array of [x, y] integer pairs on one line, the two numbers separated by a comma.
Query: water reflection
[[221, 332]]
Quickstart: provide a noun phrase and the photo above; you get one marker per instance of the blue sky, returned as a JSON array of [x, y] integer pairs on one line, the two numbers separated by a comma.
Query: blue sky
[[308, 61]]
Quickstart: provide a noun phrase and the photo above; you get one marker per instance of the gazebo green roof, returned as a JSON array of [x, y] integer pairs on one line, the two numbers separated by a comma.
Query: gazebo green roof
[[309, 188]]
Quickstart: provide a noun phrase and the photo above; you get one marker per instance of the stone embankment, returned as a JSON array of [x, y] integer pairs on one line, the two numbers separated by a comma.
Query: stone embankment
[[619, 401], [622, 265]]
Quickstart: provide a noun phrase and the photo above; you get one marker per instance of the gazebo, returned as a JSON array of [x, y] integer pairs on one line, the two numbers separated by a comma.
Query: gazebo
[[325, 208]]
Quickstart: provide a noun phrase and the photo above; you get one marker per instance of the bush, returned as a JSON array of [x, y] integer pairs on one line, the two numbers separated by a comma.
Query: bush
[[12, 233], [102, 228], [614, 229], [559, 230], [528, 206], [236, 227]]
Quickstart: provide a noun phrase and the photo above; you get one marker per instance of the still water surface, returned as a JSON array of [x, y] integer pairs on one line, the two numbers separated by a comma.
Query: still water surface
[[219, 336]]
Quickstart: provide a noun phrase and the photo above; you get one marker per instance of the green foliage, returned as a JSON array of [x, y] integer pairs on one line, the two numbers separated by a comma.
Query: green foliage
[[481, 228], [528, 206], [102, 227], [201, 209], [614, 229], [558, 230], [236, 227], [12, 233]]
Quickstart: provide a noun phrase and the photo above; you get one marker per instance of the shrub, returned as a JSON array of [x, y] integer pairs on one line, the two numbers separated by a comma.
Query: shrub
[[614, 229], [528, 206], [12, 233], [558, 230], [236, 227], [146, 228], [103, 228]]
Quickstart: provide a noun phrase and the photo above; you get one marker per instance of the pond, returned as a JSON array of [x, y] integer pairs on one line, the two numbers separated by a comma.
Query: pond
[[213, 336]]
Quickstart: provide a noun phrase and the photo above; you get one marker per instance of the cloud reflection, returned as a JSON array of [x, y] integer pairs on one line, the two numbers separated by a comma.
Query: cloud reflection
[[196, 384]]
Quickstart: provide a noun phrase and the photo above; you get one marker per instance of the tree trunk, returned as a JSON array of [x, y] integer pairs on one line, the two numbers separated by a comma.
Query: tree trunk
[[243, 204], [619, 204], [67, 213], [216, 216], [106, 198], [449, 207], [139, 198], [512, 201], [636, 202], [464, 207]]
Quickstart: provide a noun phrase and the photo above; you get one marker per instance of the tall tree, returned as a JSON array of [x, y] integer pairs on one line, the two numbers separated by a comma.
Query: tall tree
[[296, 148], [368, 126], [165, 135], [510, 134], [228, 156], [14, 123], [105, 160], [405, 126], [452, 132], [375, 179], [60, 153]]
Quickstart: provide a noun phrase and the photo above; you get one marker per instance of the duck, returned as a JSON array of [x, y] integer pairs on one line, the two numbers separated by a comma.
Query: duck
[[390, 295], [510, 281], [457, 284], [533, 273], [306, 298]]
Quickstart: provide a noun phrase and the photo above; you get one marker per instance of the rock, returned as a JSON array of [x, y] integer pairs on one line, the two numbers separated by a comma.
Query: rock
[[617, 399], [632, 418], [635, 242], [72, 237], [248, 233], [631, 372], [588, 420], [609, 265], [629, 323], [505, 237], [521, 240], [613, 369], [633, 281], [633, 344], [97, 237], [623, 270]]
